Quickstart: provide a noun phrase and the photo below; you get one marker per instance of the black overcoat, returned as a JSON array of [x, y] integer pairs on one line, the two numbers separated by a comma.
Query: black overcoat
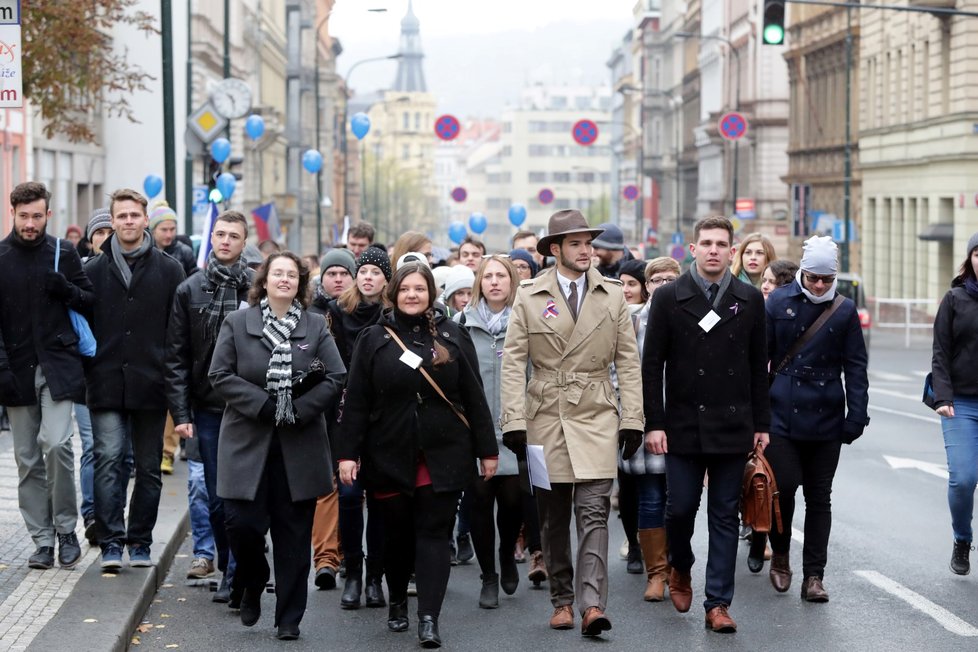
[[716, 385]]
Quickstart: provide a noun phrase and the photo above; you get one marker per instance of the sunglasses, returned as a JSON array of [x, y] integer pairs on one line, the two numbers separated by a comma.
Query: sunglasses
[[828, 279]]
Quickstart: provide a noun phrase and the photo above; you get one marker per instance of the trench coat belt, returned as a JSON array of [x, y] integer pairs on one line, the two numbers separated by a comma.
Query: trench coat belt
[[816, 373], [573, 382]]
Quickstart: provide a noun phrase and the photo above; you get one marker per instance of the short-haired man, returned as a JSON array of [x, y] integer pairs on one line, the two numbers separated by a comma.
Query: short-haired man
[[571, 325], [41, 373], [471, 251], [163, 226], [360, 236], [337, 271], [528, 240], [199, 308], [610, 250], [134, 285], [706, 333]]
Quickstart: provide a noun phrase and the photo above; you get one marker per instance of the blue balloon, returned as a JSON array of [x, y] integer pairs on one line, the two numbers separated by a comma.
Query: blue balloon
[[517, 214], [478, 222], [221, 149], [225, 184], [152, 185], [360, 125], [457, 232], [255, 126], [312, 161]]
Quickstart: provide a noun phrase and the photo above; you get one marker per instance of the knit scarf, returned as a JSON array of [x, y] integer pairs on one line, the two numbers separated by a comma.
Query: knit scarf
[[226, 281], [278, 379], [971, 287], [828, 296], [119, 256], [495, 322]]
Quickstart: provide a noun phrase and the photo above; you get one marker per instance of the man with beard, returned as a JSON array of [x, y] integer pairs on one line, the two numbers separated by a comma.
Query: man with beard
[[41, 372], [610, 250], [571, 324], [134, 286]]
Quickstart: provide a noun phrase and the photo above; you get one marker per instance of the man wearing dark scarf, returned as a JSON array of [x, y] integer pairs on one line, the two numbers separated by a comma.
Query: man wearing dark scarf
[[201, 304]]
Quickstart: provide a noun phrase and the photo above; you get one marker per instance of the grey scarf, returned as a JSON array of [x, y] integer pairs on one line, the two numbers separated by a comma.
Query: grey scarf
[[119, 256], [276, 334], [724, 283], [495, 322]]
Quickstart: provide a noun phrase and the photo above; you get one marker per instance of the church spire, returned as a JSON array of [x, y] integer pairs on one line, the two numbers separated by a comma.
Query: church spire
[[410, 75]]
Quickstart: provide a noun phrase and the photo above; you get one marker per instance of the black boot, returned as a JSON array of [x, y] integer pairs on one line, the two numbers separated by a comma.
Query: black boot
[[428, 632], [755, 554], [250, 606], [223, 593], [509, 575], [489, 597], [373, 590], [354, 584], [397, 616], [960, 564], [635, 565]]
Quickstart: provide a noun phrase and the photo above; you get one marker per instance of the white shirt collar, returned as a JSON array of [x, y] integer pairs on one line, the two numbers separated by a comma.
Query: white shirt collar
[[566, 282]]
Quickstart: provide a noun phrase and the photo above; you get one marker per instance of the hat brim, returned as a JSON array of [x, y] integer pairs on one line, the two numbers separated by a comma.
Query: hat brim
[[543, 245]]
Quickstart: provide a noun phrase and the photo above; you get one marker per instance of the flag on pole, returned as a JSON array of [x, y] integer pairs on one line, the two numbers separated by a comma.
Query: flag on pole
[[346, 230], [267, 226], [205, 237]]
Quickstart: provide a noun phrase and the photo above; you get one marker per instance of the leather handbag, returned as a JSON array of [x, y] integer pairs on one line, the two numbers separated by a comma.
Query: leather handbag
[[929, 398], [86, 339], [760, 506], [800, 343], [303, 381], [431, 381]]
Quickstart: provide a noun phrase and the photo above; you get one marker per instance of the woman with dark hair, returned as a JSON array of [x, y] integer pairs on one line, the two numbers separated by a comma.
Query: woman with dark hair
[[777, 274], [415, 417], [279, 371], [955, 382]]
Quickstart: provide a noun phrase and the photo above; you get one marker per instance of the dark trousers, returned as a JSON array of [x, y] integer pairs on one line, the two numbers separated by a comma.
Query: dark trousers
[[207, 427], [628, 492], [114, 432], [502, 495], [684, 479], [417, 530], [291, 525], [352, 526], [812, 465]]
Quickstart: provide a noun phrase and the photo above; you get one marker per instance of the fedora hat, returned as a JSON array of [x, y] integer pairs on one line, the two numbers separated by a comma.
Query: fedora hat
[[563, 223]]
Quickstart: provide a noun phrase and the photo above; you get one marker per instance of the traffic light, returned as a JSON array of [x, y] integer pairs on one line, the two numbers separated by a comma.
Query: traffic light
[[213, 171], [773, 30]]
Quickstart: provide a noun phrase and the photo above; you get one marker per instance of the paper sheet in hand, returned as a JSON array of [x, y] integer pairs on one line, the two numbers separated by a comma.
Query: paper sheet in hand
[[537, 467]]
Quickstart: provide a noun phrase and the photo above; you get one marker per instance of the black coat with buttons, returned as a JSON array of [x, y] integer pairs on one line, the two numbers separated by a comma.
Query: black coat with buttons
[[391, 415], [808, 398], [716, 387], [130, 326]]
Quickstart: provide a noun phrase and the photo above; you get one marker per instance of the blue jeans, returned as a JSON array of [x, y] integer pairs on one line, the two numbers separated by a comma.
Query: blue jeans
[[114, 431], [87, 464], [207, 429], [200, 513], [651, 500], [961, 445]]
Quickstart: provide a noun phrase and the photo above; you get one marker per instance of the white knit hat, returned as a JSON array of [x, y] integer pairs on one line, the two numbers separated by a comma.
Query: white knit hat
[[820, 255], [459, 278]]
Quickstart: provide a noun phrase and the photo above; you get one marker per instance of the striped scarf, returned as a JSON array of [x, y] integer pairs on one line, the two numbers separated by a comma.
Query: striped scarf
[[278, 380]]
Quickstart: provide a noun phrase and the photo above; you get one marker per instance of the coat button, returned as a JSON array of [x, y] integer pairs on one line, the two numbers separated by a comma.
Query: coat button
[[702, 408], [593, 358], [795, 410], [700, 372], [592, 385], [733, 409], [128, 332], [130, 298], [730, 372], [798, 383]]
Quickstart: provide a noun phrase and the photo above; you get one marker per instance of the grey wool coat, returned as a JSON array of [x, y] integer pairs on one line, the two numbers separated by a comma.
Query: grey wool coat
[[238, 375]]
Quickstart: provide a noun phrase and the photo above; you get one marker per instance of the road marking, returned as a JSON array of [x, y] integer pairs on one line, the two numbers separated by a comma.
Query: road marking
[[945, 618], [890, 392], [940, 470], [797, 535], [920, 374], [909, 415], [887, 376]]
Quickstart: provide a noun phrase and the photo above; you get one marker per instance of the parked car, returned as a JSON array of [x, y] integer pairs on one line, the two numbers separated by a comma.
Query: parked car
[[851, 286]]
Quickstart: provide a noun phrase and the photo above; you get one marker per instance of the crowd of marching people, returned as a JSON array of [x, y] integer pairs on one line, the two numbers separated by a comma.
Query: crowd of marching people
[[375, 411]]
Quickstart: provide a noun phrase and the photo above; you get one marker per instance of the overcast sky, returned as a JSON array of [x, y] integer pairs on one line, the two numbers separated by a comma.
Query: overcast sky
[[478, 55]]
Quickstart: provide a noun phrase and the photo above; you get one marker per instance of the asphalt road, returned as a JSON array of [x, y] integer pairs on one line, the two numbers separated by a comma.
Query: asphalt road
[[888, 571]]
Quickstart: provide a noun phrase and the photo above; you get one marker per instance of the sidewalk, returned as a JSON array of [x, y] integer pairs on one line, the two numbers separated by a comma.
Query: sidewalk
[[79, 608]]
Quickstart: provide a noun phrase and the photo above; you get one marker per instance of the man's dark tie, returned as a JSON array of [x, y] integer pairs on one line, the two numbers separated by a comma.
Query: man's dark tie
[[572, 300], [711, 293]]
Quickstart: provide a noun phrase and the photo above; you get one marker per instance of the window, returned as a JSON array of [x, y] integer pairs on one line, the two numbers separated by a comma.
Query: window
[[537, 126], [406, 121], [417, 121], [405, 151], [539, 150], [581, 102], [506, 151], [561, 177], [537, 177]]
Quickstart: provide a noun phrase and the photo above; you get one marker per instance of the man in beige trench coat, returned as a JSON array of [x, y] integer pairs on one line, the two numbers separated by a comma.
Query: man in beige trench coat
[[571, 324]]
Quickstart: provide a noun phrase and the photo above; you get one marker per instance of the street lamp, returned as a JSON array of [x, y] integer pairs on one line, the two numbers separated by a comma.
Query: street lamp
[[733, 50], [628, 89]]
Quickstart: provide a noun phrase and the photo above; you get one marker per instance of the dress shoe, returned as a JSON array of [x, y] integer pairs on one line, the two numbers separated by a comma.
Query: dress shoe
[[538, 569], [287, 632], [594, 622], [812, 590], [373, 592], [680, 590], [720, 621], [489, 595], [223, 593], [250, 607], [960, 564], [509, 574], [755, 553], [69, 552], [43, 558], [397, 616], [562, 618], [780, 572], [428, 632], [325, 578]]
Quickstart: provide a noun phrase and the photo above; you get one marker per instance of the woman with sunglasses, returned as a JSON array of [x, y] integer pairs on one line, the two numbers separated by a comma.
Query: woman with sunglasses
[[813, 410]]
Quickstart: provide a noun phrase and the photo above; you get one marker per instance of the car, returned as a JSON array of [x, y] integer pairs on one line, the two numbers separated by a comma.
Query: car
[[851, 286]]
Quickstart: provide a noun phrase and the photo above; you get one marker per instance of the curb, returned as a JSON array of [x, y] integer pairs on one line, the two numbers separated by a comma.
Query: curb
[[117, 603]]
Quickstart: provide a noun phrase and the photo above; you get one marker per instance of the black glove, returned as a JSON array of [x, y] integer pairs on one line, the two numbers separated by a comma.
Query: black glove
[[515, 440], [57, 285], [851, 432], [629, 441], [267, 412]]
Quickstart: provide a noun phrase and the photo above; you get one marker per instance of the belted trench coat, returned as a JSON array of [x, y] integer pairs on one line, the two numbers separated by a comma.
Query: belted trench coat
[[569, 405]]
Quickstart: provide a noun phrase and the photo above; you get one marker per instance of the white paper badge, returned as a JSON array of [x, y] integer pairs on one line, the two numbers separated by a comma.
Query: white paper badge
[[412, 360], [708, 322]]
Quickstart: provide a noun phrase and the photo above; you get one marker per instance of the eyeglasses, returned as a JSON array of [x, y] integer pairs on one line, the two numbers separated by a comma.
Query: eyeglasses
[[523, 267], [828, 279], [660, 280]]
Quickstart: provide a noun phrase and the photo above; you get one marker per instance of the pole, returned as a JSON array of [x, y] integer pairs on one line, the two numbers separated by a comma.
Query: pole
[[847, 173], [169, 113], [188, 160], [319, 173], [736, 157], [227, 38]]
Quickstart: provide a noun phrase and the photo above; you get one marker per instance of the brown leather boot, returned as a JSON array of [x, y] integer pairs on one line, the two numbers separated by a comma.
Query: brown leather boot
[[780, 572], [653, 544], [538, 569], [681, 590]]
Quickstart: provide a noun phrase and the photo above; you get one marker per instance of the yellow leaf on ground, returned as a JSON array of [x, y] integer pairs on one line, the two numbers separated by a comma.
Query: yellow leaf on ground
[[144, 627], [160, 626], [134, 641], [164, 615], [172, 645]]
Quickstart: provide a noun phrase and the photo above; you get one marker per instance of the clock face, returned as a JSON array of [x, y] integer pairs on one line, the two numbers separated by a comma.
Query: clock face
[[232, 98]]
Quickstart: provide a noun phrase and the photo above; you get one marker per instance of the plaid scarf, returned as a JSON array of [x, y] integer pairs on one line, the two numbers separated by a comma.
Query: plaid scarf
[[226, 281], [278, 380]]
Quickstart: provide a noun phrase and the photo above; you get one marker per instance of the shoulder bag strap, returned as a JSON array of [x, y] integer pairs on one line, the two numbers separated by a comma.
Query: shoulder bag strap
[[431, 381], [57, 253], [808, 335]]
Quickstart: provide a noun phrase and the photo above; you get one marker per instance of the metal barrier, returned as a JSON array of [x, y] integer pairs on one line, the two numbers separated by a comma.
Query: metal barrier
[[891, 310]]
